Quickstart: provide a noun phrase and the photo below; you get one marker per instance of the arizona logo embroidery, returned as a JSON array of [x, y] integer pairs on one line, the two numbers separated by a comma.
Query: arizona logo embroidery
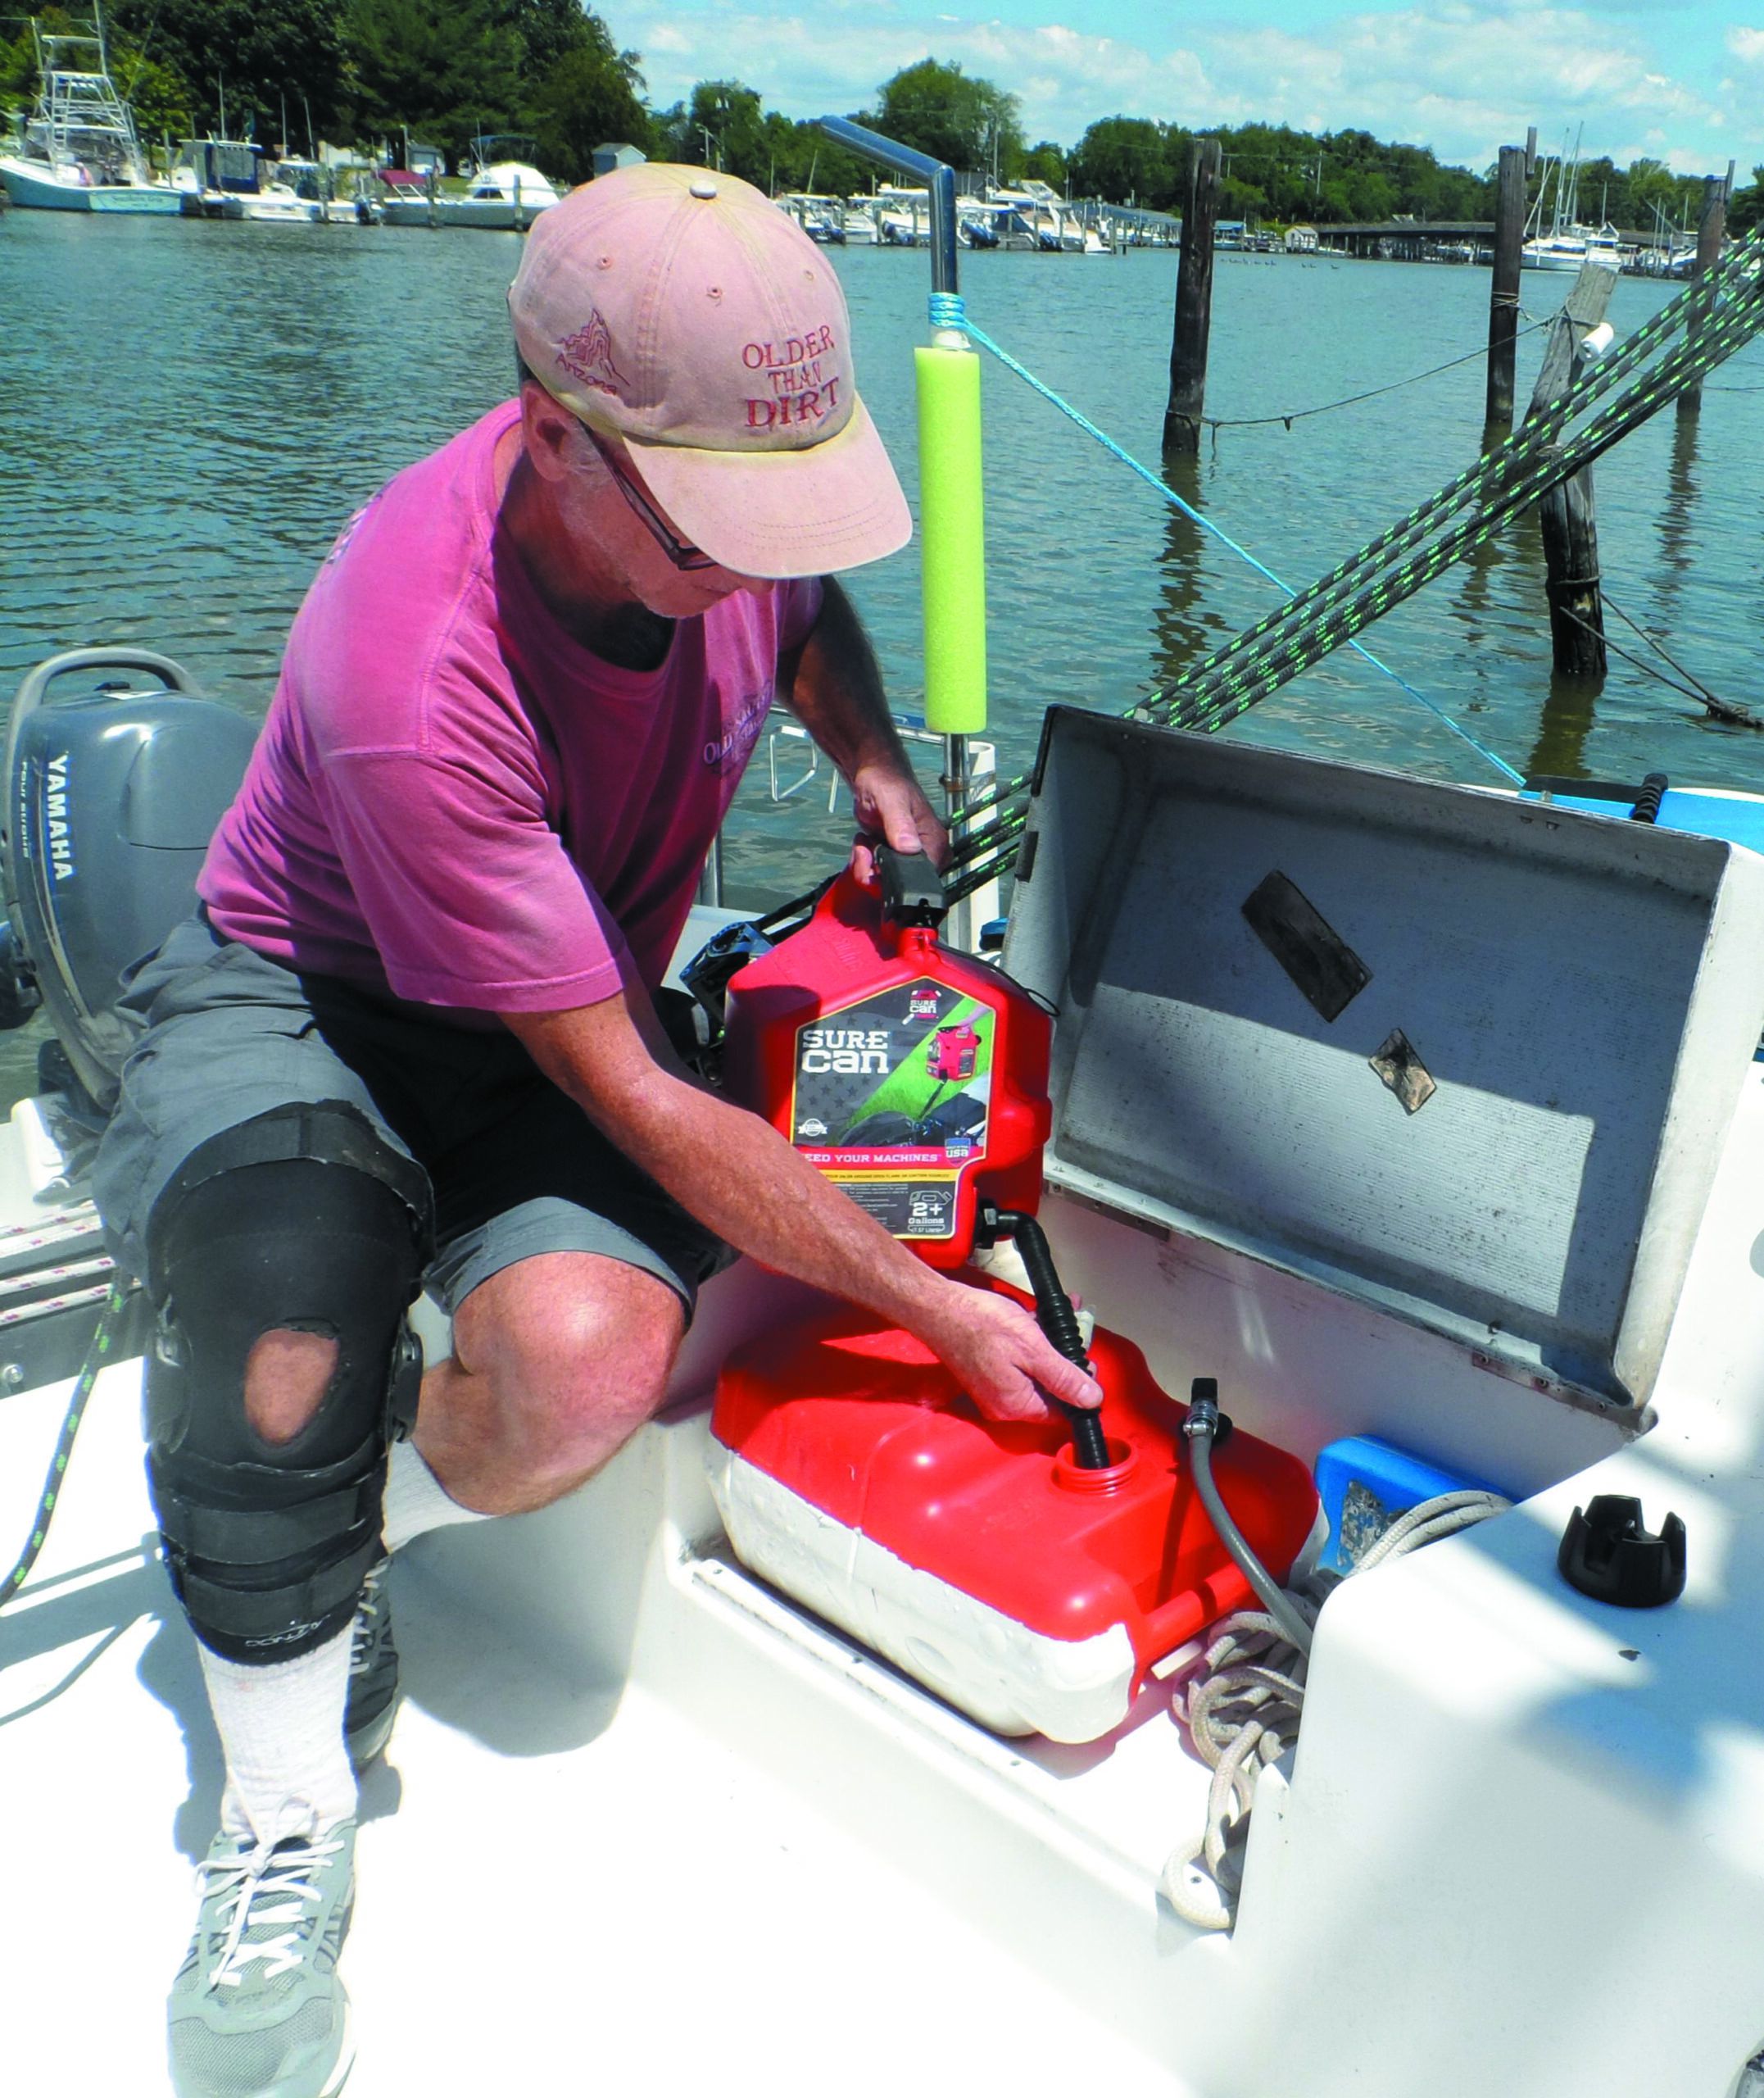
[[588, 355]]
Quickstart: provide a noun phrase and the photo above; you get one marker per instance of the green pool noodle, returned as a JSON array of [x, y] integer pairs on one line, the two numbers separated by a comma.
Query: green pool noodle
[[952, 540]]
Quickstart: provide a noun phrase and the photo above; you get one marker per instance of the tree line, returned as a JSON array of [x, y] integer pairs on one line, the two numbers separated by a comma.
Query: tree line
[[290, 72]]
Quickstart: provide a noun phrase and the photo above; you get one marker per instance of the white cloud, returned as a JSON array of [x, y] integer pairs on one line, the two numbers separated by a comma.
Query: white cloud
[[1462, 75]]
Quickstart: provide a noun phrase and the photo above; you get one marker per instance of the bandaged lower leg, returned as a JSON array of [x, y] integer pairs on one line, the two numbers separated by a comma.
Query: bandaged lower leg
[[281, 1730], [416, 1500]]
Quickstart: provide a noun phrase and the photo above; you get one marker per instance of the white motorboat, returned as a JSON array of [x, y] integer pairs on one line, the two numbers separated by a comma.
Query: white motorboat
[[274, 201], [501, 196], [1035, 208], [78, 150], [858, 223], [1498, 1208], [337, 197], [206, 171], [903, 216], [821, 218], [978, 224], [232, 178]]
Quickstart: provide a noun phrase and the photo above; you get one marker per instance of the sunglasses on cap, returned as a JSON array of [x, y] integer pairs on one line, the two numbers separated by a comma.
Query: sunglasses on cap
[[680, 552]]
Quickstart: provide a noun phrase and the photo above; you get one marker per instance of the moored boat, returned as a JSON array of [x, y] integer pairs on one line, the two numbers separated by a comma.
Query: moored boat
[[821, 218], [1571, 248], [78, 150], [1034, 208], [271, 197], [337, 197], [501, 196]]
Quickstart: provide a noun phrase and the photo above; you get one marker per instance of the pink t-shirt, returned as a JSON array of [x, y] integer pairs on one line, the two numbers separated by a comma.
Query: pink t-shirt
[[454, 800]]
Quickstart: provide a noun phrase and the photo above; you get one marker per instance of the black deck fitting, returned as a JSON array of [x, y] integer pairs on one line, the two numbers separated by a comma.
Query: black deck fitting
[[1607, 1554]]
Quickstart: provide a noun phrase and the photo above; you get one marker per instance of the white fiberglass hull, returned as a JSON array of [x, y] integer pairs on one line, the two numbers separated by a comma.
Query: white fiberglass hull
[[488, 214], [492, 214], [36, 187], [1568, 255], [272, 211]]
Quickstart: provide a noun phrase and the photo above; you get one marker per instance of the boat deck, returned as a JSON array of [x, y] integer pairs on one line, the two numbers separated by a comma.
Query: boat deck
[[640, 1822]]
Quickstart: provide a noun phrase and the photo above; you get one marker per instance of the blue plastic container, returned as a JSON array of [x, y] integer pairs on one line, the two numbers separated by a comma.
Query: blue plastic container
[[1365, 1484]]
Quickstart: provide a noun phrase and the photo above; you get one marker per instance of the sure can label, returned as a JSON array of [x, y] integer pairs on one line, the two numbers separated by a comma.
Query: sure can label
[[890, 1100]]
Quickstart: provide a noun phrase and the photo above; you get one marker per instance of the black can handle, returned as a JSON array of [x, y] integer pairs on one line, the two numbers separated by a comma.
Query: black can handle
[[912, 888]]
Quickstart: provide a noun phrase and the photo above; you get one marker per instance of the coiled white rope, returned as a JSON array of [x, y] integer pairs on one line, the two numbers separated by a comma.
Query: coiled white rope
[[1243, 1705]]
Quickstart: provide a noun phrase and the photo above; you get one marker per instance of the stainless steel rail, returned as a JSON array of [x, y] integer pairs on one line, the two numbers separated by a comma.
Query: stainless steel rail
[[938, 177]]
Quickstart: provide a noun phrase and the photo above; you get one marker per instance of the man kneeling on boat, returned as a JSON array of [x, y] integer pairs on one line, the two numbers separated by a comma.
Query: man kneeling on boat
[[409, 1041]]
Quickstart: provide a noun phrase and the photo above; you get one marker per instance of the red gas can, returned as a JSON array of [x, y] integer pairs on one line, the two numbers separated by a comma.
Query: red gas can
[[913, 1077], [1034, 1595]]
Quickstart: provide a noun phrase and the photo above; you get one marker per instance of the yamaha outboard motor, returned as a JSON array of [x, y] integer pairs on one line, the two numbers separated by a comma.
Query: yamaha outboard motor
[[112, 794]]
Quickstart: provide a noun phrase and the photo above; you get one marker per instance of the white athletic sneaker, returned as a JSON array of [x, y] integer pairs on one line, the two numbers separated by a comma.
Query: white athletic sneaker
[[257, 2011]]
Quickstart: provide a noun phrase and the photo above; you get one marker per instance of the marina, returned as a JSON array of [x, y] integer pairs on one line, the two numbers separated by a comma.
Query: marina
[[1413, 1214]]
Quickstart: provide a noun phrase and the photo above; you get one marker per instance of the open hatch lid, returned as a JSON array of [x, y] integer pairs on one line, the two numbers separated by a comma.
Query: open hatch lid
[[1468, 1058]]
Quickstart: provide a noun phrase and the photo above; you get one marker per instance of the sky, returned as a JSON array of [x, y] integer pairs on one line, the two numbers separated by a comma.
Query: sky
[[1677, 80]]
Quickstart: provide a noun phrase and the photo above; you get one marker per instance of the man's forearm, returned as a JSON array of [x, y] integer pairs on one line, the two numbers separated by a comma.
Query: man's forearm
[[736, 1174], [835, 689]]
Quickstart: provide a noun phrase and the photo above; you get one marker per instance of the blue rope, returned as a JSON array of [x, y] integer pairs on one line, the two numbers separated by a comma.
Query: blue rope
[[949, 309]]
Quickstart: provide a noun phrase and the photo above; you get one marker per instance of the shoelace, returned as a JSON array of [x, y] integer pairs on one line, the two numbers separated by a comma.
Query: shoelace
[[258, 1875], [361, 1646]]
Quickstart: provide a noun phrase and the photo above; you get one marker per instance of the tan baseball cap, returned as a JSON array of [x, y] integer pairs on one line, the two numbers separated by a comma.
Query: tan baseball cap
[[682, 311]]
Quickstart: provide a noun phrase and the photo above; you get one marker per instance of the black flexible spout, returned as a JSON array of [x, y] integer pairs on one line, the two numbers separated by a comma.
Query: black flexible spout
[[1058, 1321]]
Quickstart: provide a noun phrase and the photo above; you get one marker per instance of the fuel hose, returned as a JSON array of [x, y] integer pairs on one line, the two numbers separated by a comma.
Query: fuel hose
[[1202, 1430], [1058, 1320]]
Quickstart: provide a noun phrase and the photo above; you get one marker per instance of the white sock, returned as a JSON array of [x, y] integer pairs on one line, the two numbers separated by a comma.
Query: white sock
[[416, 1500], [281, 1729]]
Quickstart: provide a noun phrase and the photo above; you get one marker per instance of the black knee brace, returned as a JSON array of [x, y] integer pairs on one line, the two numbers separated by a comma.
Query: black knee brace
[[266, 1543]]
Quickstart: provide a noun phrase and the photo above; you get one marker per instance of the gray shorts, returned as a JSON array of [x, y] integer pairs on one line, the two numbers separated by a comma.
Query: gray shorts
[[515, 1167]]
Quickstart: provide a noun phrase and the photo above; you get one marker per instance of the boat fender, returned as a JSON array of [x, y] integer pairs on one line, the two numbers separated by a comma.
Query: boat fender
[[266, 1543]]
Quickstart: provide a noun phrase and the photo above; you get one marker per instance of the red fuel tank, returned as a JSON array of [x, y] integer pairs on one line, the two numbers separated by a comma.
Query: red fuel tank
[[856, 1475], [913, 1077]]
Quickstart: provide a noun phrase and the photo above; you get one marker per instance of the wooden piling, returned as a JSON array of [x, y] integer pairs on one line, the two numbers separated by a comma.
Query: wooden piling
[[428, 185], [1194, 302], [1566, 513], [1712, 229], [1503, 290]]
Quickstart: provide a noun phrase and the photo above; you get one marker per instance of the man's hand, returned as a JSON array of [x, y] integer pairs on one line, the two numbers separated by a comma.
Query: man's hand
[[735, 1172], [833, 685], [1001, 1358], [890, 804]]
